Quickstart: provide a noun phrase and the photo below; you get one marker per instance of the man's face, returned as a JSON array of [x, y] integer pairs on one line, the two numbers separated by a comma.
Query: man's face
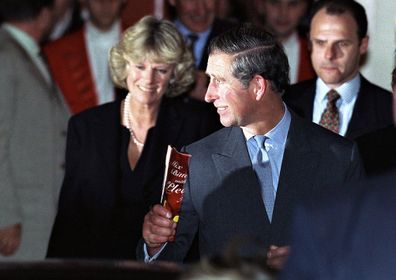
[[283, 16], [233, 101], [336, 48], [196, 15], [103, 13]]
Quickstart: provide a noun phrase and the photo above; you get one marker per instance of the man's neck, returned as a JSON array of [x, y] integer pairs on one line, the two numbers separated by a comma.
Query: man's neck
[[30, 28]]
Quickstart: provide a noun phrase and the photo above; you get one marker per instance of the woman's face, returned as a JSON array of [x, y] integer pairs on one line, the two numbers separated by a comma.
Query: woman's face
[[147, 81]]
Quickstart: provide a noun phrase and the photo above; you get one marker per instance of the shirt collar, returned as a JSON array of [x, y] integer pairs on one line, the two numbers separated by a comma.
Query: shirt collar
[[185, 31], [276, 136], [113, 32], [291, 41], [23, 38], [348, 90]]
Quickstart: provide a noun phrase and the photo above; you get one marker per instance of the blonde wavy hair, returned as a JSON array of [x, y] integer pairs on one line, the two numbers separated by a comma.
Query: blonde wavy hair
[[158, 41]]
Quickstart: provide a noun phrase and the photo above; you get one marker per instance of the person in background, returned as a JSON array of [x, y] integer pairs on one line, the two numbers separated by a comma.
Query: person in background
[[33, 119], [197, 22], [377, 148], [245, 179], [283, 18], [68, 18], [78, 61], [340, 99], [115, 159]]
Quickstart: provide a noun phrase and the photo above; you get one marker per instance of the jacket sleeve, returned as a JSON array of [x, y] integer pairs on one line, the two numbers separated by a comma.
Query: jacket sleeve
[[10, 208]]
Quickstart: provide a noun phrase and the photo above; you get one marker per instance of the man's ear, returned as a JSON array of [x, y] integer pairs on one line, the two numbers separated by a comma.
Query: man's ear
[[364, 45], [259, 85]]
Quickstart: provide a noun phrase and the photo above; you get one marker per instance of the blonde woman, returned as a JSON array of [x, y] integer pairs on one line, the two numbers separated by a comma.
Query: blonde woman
[[116, 152]]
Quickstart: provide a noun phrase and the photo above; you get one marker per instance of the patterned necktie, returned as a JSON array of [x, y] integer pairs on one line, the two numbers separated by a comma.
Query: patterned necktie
[[192, 39], [330, 117], [262, 168]]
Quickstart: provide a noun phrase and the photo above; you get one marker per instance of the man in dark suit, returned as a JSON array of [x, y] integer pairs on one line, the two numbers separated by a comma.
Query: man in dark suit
[[198, 24], [338, 35], [378, 148], [225, 190], [348, 236]]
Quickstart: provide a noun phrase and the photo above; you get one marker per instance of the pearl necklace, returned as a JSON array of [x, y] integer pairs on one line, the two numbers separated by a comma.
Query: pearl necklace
[[127, 121]]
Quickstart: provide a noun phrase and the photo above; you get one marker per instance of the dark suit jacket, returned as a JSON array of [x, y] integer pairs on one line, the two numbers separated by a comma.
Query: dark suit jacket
[[372, 111], [222, 198], [378, 150], [98, 217], [346, 236]]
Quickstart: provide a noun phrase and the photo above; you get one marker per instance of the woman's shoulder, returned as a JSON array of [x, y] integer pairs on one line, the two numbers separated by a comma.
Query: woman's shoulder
[[102, 112]]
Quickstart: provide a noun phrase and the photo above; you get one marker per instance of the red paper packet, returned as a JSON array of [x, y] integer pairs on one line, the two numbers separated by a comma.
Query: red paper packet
[[176, 172]]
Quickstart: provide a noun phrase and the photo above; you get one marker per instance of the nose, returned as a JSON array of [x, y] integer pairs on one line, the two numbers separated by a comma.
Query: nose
[[148, 76], [211, 94], [330, 52]]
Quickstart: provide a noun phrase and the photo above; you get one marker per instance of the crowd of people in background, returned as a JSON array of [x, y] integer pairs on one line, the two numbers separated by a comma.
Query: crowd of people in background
[[89, 104]]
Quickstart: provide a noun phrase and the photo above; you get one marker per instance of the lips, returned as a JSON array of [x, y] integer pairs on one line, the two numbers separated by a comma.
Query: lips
[[221, 109], [146, 89]]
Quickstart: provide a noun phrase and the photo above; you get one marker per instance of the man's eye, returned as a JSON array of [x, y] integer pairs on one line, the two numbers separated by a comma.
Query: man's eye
[[343, 44], [162, 71]]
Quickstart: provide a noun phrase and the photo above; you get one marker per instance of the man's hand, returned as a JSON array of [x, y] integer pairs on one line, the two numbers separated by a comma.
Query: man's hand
[[158, 228], [10, 238], [277, 256]]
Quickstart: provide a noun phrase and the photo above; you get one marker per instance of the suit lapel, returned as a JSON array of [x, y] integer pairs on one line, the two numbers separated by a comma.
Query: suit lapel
[[50, 88], [307, 101], [298, 162], [233, 160], [363, 115], [34, 69]]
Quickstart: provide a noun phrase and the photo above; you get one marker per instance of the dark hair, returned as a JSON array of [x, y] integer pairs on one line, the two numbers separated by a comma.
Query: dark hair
[[394, 78], [21, 10], [338, 7], [256, 52]]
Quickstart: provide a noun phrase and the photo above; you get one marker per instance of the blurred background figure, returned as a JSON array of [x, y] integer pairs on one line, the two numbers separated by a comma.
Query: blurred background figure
[[78, 61], [287, 21], [234, 10], [346, 236], [115, 159], [197, 22], [33, 120], [225, 268], [68, 18]]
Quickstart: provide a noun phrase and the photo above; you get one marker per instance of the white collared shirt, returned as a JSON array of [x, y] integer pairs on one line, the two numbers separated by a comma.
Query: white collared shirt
[[275, 145], [98, 46], [345, 104], [199, 44], [291, 47]]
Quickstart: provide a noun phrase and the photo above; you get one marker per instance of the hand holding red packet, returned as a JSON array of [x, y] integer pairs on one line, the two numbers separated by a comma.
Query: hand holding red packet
[[176, 172]]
